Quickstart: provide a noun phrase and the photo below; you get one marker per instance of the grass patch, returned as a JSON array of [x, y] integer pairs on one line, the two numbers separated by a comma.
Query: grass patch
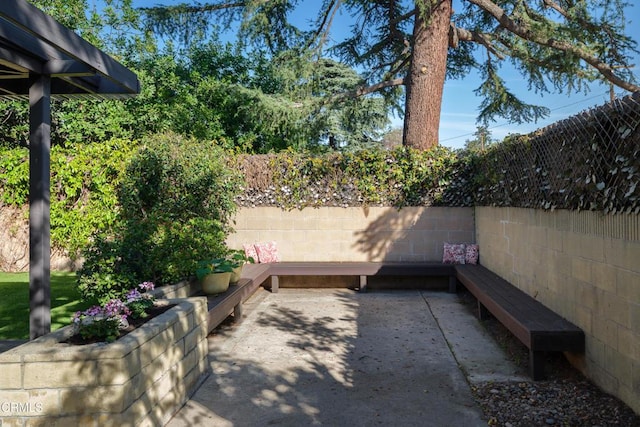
[[14, 303]]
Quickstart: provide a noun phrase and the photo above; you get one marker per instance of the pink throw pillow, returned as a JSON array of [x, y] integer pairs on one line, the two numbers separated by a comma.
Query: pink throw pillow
[[453, 253], [471, 253], [267, 252], [250, 251]]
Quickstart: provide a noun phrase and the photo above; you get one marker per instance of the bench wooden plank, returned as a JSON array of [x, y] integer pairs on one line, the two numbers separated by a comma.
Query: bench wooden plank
[[328, 268], [222, 305], [535, 325], [511, 305], [361, 269]]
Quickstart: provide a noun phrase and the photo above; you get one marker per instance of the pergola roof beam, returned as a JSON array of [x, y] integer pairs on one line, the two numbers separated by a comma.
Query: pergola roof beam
[[67, 68], [31, 39], [17, 60]]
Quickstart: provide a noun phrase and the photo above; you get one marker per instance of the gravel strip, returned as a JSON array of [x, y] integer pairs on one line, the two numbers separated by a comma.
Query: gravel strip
[[566, 402], [567, 398]]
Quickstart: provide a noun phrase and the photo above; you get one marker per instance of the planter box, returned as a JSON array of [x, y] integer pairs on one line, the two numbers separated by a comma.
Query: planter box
[[141, 379]]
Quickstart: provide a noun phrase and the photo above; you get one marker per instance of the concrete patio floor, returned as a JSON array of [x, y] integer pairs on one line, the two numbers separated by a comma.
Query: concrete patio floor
[[343, 358]]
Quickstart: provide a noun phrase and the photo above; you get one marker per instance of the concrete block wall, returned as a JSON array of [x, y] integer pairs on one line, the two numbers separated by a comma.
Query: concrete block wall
[[355, 234], [141, 379], [182, 289], [584, 266]]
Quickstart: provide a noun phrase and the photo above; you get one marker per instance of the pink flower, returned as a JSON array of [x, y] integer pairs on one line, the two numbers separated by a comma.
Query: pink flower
[[77, 316], [146, 286], [115, 307]]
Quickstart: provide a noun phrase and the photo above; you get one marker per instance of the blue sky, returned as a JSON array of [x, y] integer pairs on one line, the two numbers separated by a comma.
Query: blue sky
[[460, 105]]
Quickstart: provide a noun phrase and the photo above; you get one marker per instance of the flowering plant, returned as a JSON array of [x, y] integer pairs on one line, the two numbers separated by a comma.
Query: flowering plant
[[102, 322], [138, 301], [105, 322]]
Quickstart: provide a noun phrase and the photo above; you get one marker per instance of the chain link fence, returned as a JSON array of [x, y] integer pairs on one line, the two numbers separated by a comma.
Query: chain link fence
[[590, 161]]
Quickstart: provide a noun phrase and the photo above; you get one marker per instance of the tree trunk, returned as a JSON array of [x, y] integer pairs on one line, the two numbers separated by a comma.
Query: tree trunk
[[427, 73]]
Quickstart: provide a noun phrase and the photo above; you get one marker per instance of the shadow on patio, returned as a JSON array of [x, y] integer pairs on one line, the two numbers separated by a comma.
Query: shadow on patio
[[321, 357]]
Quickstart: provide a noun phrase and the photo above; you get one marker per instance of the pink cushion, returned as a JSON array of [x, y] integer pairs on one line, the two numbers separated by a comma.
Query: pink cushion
[[453, 253], [471, 253], [250, 251], [267, 252]]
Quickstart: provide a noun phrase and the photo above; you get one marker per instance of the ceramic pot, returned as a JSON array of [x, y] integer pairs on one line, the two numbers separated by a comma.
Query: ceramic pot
[[235, 274], [215, 283]]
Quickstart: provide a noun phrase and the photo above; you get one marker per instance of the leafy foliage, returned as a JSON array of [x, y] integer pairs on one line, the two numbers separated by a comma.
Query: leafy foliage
[[212, 91], [176, 199], [72, 121], [400, 177], [481, 141], [84, 179]]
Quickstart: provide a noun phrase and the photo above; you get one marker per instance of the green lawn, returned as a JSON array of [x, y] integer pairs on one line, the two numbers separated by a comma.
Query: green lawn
[[14, 303]]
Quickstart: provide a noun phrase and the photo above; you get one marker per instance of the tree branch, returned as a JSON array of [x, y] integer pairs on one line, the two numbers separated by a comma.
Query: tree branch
[[327, 20], [555, 6], [523, 31], [365, 90], [460, 34], [187, 8]]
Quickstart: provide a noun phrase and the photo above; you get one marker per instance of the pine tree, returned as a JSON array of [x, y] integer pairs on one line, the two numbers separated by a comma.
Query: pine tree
[[557, 45]]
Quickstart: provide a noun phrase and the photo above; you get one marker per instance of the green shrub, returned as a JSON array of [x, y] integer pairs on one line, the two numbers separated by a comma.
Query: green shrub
[[14, 176], [177, 200], [84, 178]]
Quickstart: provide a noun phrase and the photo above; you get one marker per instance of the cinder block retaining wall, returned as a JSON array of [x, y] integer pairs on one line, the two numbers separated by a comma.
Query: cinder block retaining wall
[[355, 234], [141, 379], [586, 267]]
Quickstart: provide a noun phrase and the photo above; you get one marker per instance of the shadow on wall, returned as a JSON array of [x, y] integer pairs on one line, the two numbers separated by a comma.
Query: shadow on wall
[[414, 234], [14, 244]]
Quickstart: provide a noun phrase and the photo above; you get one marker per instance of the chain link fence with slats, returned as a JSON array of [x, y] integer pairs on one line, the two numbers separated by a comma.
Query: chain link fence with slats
[[590, 161]]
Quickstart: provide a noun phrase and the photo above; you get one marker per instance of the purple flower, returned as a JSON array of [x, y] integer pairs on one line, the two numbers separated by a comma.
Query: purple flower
[[93, 311], [133, 295]]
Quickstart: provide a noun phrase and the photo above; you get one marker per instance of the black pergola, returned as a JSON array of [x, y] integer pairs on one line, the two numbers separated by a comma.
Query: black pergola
[[41, 59]]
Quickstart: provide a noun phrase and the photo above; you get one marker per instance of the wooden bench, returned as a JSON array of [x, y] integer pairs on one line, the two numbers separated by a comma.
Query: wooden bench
[[535, 325], [361, 269], [222, 305]]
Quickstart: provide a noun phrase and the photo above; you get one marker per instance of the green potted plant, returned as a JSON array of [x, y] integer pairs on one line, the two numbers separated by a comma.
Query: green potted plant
[[237, 258], [214, 275]]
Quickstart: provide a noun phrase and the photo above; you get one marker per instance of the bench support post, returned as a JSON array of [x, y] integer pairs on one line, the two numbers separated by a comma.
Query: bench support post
[[275, 284], [453, 284], [483, 313], [536, 364], [237, 312], [363, 283]]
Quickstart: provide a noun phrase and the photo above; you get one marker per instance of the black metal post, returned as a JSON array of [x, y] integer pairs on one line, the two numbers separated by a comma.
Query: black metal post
[[39, 205]]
